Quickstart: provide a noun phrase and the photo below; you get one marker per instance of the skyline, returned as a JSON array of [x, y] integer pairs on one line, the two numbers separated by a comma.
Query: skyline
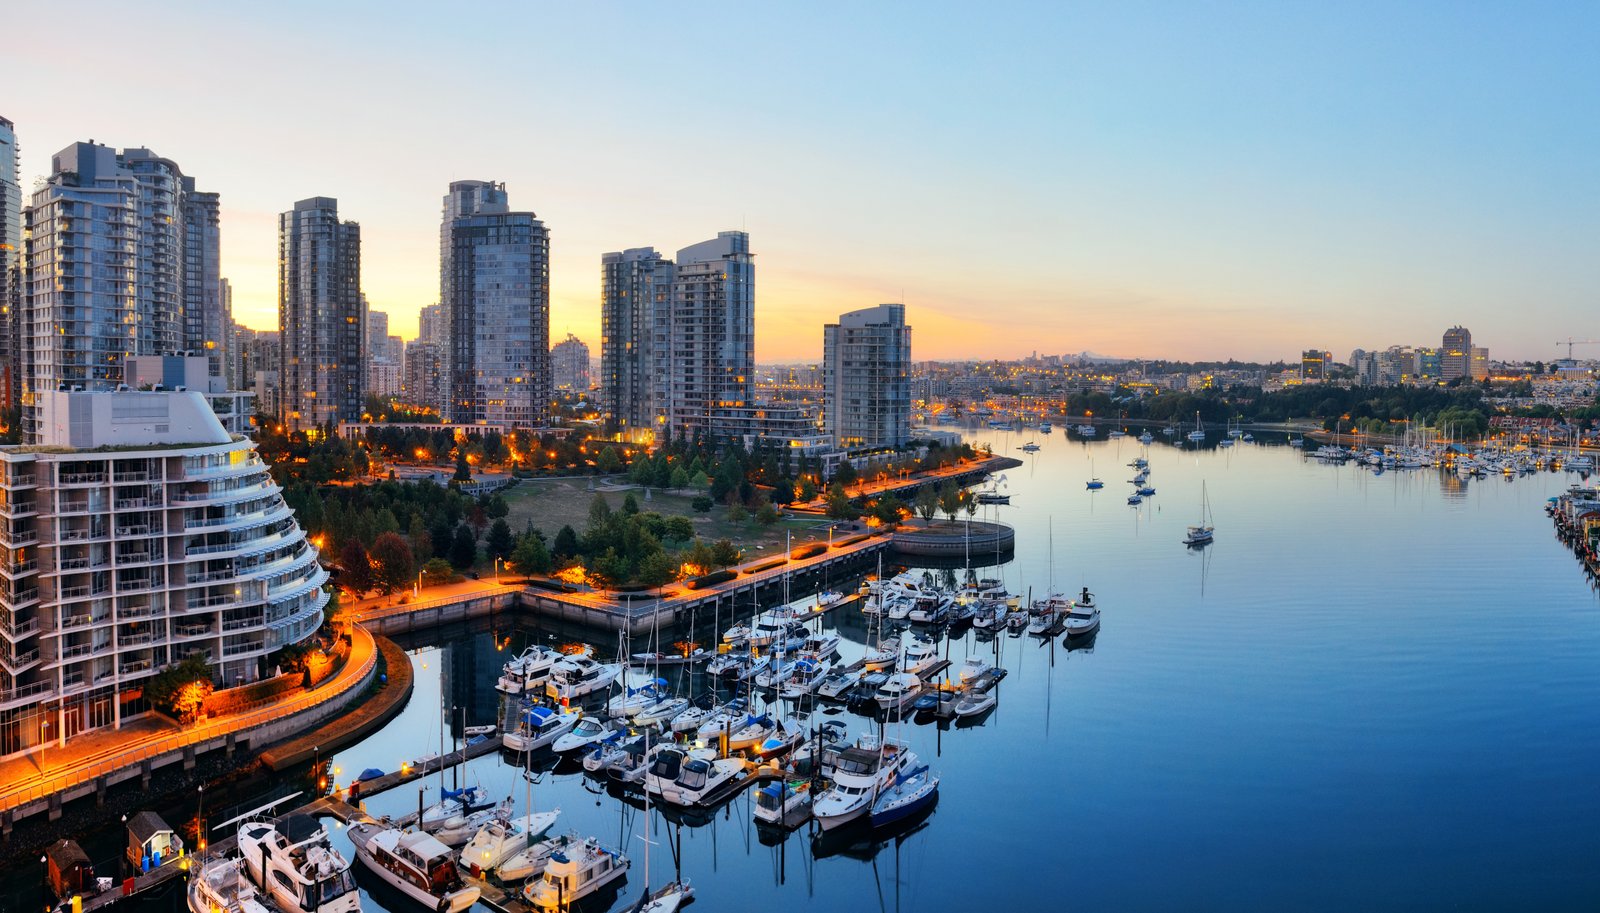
[[1135, 182]]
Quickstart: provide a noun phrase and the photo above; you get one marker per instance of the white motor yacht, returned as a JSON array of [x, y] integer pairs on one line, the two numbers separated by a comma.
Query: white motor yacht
[[577, 676], [662, 712], [295, 865], [858, 773], [457, 831], [838, 683], [539, 728], [221, 886], [585, 733], [503, 838], [573, 873], [688, 780], [783, 803], [415, 864], [454, 803], [974, 667], [527, 669], [900, 691], [530, 860]]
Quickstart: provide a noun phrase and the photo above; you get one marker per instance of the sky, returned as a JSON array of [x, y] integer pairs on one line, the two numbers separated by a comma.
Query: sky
[[1157, 180]]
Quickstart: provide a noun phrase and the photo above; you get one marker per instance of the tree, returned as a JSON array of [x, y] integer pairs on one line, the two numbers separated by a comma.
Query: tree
[[438, 570], [846, 474], [599, 512], [395, 562], [839, 506], [463, 470], [737, 513], [679, 529], [702, 503], [497, 508], [464, 549], [500, 541], [182, 688], [926, 503], [679, 478], [355, 568], [767, 514], [566, 544], [530, 556], [723, 553], [630, 505], [808, 489], [609, 462], [656, 569], [950, 499], [442, 533], [479, 518]]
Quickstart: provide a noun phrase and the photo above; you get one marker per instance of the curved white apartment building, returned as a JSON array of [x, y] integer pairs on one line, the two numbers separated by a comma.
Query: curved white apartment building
[[137, 532]]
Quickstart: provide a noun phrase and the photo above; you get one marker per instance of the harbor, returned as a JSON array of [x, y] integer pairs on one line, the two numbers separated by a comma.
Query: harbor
[[1136, 721]]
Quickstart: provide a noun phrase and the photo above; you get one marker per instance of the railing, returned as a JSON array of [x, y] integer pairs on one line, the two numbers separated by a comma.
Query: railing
[[139, 530], [210, 577], [206, 602], [133, 614], [137, 557], [76, 621], [81, 478], [139, 476], [113, 760], [75, 651], [82, 535], [137, 665], [191, 630], [135, 503], [240, 624], [74, 507], [20, 661], [20, 597], [20, 629], [18, 510], [19, 481], [250, 647], [8, 695], [21, 567], [134, 640]]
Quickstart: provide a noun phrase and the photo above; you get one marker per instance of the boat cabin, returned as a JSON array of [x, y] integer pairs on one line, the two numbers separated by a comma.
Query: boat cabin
[[422, 860], [151, 842]]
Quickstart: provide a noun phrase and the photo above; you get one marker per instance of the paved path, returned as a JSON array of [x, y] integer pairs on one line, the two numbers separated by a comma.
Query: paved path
[[443, 594], [86, 757]]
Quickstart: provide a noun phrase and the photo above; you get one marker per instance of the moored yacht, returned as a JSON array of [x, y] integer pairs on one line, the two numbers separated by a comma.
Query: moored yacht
[[220, 886], [503, 838], [575, 872], [577, 676], [858, 772], [295, 865], [414, 863]]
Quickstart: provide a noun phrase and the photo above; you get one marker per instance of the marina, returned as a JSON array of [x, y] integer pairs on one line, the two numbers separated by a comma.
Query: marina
[[1151, 702]]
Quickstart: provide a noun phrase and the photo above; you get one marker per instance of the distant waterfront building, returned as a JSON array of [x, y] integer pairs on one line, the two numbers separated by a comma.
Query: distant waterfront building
[[1313, 365], [1455, 355], [705, 355], [1429, 364], [635, 291], [320, 316], [569, 365], [866, 378], [1478, 363], [144, 533], [494, 285], [377, 342], [121, 258], [10, 266]]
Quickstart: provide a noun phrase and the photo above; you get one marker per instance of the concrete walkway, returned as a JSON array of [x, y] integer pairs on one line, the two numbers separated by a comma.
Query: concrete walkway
[[87, 757]]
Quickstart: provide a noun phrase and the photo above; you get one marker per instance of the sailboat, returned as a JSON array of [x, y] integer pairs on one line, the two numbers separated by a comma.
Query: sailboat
[[1094, 483], [1199, 432], [671, 895], [1201, 534]]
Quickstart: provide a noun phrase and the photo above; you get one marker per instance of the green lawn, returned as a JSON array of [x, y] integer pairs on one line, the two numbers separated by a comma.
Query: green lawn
[[554, 503]]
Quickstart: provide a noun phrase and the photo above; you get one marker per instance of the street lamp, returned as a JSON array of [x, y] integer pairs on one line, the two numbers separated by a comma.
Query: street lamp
[[200, 821], [416, 591], [497, 569]]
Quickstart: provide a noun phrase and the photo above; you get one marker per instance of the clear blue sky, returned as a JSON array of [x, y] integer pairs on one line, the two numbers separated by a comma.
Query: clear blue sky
[[1156, 179]]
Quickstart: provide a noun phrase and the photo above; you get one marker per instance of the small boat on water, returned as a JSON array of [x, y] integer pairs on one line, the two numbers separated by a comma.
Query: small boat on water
[[751, 732], [973, 668], [454, 803], [528, 669], [584, 733], [220, 886], [1204, 531], [1146, 438], [1083, 617], [414, 863], [689, 779], [457, 831], [697, 655], [911, 793], [1094, 484], [899, 692], [503, 838], [633, 700], [530, 860], [973, 703], [859, 772], [993, 497], [1030, 447], [539, 728], [783, 803], [1135, 499], [576, 676], [724, 718], [573, 873], [662, 712], [836, 684], [294, 864]]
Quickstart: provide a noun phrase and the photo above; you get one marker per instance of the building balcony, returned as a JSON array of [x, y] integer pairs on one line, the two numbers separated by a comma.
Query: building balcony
[[28, 692], [73, 622], [249, 646], [19, 662], [136, 612], [19, 598], [135, 640], [82, 592], [192, 629], [135, 665], [16, 569], [17, 630], [139, 586], [17, 511], [75, 651], [140, 529], [81, 478], [20, 480], [143, 503], [131, 476]]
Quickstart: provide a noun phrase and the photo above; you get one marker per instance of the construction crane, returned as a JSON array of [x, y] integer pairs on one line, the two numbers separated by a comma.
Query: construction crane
[[1576, 342]]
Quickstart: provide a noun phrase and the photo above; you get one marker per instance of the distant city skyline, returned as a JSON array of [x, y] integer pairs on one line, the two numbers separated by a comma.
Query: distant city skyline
[[1151, 181]]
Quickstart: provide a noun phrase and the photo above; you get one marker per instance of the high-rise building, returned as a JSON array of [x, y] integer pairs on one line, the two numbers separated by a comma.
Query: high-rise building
[[569, 365], [377, 334], [705, 354], [431, 326], [866, 378], [423, 383], [121, 259], [146, 533], [10, 267], [1478, 363], [1429, 365], [207, 298], [494, 286], [1313, 365], [1455, 355], [320, 316], [259, 359], [635, 287]]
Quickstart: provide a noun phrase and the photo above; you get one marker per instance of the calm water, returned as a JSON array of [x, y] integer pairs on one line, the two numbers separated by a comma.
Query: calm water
[[1372, 692]]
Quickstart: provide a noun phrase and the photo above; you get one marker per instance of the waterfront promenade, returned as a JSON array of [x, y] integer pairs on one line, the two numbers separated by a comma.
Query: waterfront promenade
[[92, 762]]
